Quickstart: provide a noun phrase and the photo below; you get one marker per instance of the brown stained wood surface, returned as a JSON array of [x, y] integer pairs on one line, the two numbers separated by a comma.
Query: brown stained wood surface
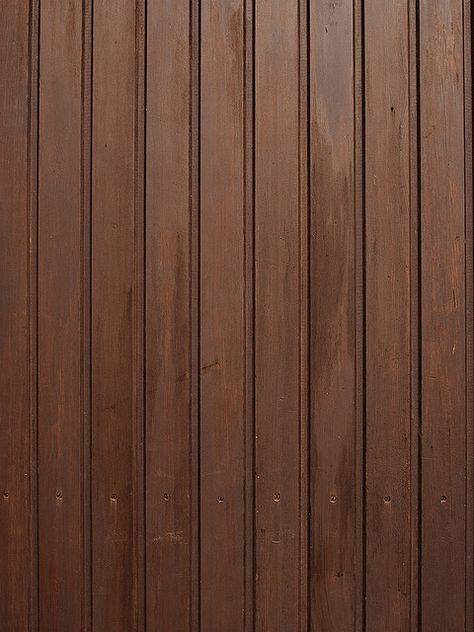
[[16, 470], [276, 316], [236, 316], [445, 388], [114, 320], [222, 316], [59, 319], [387, 252], [333, 318], [168, 318]]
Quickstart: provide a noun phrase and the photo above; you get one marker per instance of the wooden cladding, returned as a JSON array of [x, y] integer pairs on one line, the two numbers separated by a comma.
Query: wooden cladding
[[236, 316]]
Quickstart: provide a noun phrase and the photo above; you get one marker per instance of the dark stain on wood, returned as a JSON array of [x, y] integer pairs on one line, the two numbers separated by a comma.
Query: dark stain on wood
[[236, 316]]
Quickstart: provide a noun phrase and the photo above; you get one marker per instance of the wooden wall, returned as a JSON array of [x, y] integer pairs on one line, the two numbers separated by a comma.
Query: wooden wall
[[236, 316]]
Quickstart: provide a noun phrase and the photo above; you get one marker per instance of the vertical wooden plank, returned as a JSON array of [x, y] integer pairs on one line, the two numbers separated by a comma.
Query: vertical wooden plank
[[168, 318], [59, 317], [17, 190], [443, 572], [277, 326], [333, 494], [222, 341], [116, 317], [388, 474]]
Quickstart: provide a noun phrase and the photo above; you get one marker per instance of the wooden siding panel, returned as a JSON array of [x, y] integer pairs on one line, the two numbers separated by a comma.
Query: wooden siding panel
[[222, 341], [333, 323], [17, 309], [388, 359], [59, 317], [443, 448], [168, 318], [115, 319], [236, 318], [277, 331]]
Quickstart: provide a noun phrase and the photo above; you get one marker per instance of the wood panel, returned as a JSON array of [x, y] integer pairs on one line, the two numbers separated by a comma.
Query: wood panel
[[168, 318], [388, 361], [277, 316], [222, 333], [443, 447], [236, 316], [333, 318], [59, 317], [17, 309], [116, 320]]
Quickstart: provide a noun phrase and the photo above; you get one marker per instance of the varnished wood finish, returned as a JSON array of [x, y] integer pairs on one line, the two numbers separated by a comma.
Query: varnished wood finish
[[59, 317], [116, 319], [236, 316], [444, 312], [277, 331], [17, 312], [388, 362], [168, 318], [222, 313], [333, 318]]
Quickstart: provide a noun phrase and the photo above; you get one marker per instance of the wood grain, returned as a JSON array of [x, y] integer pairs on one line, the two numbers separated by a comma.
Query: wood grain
[[168, 318], [388, 316], [443, 317], [277, 315], [115, 296], [236, 317], [59, 317], [17, 191], [222, 333], [333, 409]]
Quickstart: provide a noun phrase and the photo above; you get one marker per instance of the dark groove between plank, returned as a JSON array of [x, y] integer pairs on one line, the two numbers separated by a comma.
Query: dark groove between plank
[[468, 205], [143, 472], [91, 121], [360, 439], [139, 149], [303, 300], [249, 282], [414, 309], [308, 586], [418, 621]]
